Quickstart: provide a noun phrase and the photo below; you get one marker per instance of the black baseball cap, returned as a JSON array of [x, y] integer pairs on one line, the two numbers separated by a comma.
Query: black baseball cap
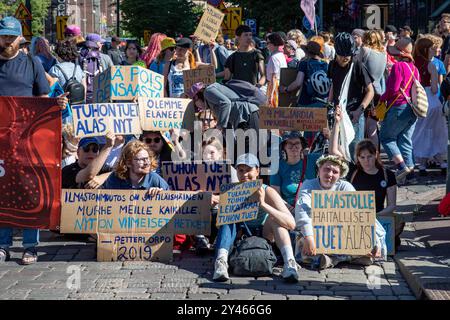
[[184, 43], [390, 28]]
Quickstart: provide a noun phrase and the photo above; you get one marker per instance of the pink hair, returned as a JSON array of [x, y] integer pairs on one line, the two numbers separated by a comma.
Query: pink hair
[[42, 47], [154, 48]]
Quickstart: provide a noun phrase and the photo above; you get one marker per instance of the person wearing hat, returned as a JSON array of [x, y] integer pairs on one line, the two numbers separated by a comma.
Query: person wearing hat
[[166, 55], [360, 87], [290, 50], [184, 60], [406, 32], [391, 37], [114, 52], [95, 41], [273, 223], [331, 171], [307, 68], [293, 167], [398, 126]]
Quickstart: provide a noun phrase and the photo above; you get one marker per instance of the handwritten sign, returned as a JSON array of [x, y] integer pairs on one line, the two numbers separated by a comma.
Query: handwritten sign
[[238, 202], [301, 119], [134, 247], [162, 114], [343, 222], [90, 120], [206, 74], [127, 83], [195, 176], [134, 211], [388, 223], [209, 25]]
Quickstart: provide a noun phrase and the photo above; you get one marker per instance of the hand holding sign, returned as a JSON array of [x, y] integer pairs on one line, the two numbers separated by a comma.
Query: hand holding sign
[[62, 100], [110, 139]]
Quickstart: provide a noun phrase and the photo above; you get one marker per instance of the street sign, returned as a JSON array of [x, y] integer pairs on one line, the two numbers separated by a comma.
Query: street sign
[[61, 24], [232, 20], [307, 24], [26, 31], [252, 24], [22, 13], [147, 35]]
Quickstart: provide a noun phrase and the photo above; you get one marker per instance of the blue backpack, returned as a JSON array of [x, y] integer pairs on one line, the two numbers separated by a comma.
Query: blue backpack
[[90, 62], [311, 69]]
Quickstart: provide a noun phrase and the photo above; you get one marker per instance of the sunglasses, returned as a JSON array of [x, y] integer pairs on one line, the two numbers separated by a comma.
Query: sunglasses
[[94, 148], [150, 140]]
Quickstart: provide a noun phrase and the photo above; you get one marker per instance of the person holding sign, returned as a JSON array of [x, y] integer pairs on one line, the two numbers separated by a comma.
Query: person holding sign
[[273, 223], [134, 170], [331, 171], [133, 51]]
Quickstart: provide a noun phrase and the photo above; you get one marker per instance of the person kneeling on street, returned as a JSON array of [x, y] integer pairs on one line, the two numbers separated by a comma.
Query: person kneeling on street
[[272, 223], [331, 170]]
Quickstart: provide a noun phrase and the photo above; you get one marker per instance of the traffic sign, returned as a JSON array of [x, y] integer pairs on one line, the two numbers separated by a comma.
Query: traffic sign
[[147, 35], [232, 20], [26, 31], [61, 24], [22, 13], [252, 24]]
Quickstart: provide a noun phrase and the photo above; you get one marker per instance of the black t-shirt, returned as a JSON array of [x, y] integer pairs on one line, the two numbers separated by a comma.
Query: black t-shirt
[[22, 76], [69, 175], [367, 182], [359, 81], [245, 65], [445, 47]]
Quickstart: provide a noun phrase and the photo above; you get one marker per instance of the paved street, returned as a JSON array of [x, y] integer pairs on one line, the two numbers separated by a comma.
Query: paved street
[[190, 276]]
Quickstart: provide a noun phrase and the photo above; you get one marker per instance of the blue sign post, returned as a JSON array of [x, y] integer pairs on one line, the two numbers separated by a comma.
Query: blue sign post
[[252, 24]]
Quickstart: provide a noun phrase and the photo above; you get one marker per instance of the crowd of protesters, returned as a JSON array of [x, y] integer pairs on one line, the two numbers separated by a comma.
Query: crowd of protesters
[[351, 72]]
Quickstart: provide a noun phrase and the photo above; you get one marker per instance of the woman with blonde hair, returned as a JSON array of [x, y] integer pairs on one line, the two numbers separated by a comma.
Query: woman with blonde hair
[[300, 39], [430, 135], [134, 170]]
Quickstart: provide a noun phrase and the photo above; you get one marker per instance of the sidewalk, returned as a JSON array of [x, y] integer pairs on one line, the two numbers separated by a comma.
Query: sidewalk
[[424, 257]]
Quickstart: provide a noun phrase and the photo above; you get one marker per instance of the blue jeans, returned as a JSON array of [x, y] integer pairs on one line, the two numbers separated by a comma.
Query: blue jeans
[[228, 232], [30, 238], [396, 133], [359, 135]]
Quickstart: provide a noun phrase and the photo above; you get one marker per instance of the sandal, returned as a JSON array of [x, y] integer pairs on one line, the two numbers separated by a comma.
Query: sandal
[[4, 255], [29, 256]]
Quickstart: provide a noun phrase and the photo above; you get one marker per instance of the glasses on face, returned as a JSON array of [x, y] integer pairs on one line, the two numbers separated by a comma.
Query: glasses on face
[[142, 160], [150, 140], [293, 145], [93, 148]]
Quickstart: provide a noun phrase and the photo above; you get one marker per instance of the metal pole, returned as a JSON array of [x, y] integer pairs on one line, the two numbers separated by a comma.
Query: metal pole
[[321, 12], [118, 18]]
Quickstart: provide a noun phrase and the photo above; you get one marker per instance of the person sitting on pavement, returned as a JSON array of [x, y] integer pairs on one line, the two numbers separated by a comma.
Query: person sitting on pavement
[[332, 169], [273, 223], [86, 172]]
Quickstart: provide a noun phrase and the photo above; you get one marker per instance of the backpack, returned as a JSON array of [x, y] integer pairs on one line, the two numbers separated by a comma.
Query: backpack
[[247, 92], [418, 100], [91, 65], [252, 257], [312, 71], [73, 87]]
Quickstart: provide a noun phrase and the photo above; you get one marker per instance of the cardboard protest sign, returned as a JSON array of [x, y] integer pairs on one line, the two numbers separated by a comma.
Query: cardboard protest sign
[[134, 211], [206, 74], [127, 83], [135, 247], [195, 176], [288, 100], [343, 222], [238, 202], [30, 158], [301, 119], [91, 120], [209, 25], [162, 114], [388, 223]]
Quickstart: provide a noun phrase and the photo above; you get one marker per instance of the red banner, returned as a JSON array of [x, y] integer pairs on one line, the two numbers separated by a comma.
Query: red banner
[[30, 163]]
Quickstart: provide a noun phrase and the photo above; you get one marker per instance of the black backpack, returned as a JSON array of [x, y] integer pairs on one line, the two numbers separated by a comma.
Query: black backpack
[[74, 87], [252, 257]]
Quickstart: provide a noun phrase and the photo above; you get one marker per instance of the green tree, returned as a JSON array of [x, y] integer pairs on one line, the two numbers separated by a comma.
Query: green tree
[[169, 16]]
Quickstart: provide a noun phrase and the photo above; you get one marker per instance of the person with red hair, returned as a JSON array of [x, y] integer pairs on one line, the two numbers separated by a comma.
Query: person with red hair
[[153, 48]]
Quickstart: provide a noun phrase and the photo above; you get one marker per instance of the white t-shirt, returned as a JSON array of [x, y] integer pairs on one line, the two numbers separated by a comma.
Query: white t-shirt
[[276, 62]]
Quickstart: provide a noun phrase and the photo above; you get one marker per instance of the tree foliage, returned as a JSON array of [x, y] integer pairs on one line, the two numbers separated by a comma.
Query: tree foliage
[[169, 16]]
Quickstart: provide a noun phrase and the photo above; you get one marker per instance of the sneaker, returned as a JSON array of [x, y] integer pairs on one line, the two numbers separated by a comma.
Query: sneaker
[[221, 270], [325, 262], [400, 175], [289, 273]]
